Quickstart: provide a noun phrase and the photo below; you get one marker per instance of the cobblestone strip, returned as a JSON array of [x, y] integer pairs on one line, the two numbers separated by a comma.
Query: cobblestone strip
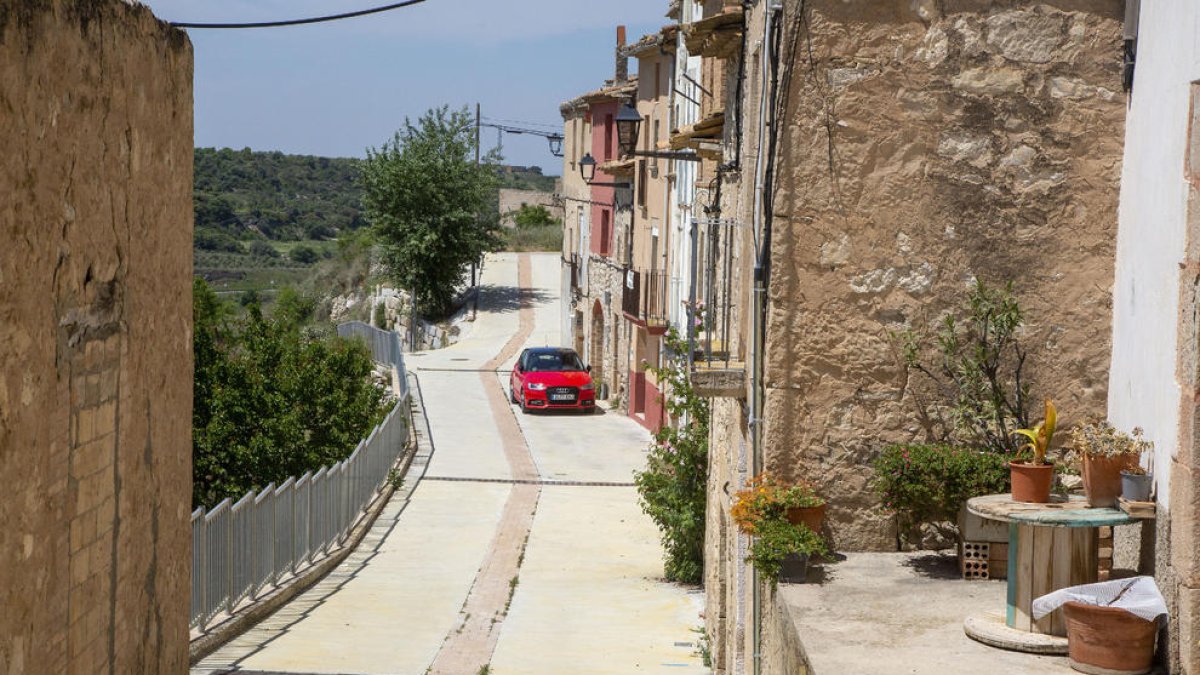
[[470, 644]]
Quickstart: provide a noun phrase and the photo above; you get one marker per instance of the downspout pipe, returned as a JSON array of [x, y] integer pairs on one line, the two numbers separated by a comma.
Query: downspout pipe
[[758, 342]]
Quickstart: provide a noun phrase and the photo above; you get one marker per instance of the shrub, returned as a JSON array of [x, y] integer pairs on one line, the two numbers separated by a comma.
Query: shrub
[[775, 539], [673, 485], [928, 484], [262, 249], [304, 254]]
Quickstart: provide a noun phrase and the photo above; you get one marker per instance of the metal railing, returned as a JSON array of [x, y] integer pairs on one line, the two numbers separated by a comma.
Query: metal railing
[[242, 551], [644, 296]]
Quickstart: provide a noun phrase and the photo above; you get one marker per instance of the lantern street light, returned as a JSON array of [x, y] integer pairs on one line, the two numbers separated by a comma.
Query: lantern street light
[[587, 171], [629, 123], [556, 144]]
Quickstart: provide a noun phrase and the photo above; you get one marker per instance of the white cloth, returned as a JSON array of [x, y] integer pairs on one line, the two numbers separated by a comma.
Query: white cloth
[[1138, 596]]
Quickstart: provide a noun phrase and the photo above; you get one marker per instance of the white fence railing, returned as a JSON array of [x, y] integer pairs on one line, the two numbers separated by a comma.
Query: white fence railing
[[242, 551]]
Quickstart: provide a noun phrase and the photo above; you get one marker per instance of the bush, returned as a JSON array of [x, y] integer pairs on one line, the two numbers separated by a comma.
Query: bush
[[775, 539], [928, 484], [262, 249], [673, 488], [534, 238], [304, 254]]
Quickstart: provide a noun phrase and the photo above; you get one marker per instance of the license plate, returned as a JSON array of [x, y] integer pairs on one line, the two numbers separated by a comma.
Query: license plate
[[561, 397]]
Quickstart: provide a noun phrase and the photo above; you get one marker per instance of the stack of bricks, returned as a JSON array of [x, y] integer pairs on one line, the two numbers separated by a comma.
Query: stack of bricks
[[1104, 540], [982, 547]]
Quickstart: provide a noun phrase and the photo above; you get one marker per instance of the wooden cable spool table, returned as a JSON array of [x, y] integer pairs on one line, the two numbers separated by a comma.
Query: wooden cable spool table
[[1050, 546]]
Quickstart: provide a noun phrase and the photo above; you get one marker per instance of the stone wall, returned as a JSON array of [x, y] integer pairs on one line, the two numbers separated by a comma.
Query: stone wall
[[511, 200], [927, 144], [612, 361], [95, 339]]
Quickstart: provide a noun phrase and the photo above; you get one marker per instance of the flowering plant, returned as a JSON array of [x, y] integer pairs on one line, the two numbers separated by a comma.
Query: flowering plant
[[766, 499], [776, 539]]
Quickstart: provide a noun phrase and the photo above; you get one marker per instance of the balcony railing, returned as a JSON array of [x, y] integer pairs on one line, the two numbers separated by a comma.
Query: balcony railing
[[644, 297]]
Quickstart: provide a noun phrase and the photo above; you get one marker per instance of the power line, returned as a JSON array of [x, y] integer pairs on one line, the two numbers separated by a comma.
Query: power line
[[298, 22], [531, 124]]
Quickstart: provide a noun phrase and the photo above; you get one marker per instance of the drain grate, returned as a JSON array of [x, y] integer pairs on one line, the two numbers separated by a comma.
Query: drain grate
[[521, 481]]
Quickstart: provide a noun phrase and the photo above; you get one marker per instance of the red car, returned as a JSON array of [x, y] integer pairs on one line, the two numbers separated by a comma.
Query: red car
[[552, 378]]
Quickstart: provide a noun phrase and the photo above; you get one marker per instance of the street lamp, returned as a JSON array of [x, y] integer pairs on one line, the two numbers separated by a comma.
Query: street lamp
[[556, 144], [629, 123], [587, 171], [587, 168]]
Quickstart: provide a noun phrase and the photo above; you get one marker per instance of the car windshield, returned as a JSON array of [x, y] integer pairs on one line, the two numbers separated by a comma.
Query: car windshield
[[542, 362]]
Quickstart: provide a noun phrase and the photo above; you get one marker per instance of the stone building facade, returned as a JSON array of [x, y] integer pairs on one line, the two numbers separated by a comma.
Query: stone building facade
[[95, 339], [918, 149]]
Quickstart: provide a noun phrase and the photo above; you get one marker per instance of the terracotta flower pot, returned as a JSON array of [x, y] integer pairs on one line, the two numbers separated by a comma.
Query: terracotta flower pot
[[1108, 640], [812, 516], [1102, 478], [1031, 482]]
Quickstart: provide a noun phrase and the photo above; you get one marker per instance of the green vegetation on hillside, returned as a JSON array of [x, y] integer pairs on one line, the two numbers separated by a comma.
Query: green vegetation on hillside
[[239, 193]]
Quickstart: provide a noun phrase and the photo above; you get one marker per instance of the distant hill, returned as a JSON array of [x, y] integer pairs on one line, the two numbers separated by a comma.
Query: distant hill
[[525, 178], [243, 194], [283, 197]]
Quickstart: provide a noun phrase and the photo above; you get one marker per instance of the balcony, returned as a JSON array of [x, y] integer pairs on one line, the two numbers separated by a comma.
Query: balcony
[[644, 299]]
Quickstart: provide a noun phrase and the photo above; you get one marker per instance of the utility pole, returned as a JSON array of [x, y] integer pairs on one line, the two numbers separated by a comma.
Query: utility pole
[[475, 301]]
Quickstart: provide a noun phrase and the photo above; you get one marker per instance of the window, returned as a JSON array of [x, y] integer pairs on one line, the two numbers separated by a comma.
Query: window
[[609, 149], [657, 131], [641, 183]]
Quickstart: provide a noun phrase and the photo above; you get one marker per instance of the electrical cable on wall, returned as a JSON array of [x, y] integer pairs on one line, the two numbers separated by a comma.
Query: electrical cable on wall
[[298, 22]]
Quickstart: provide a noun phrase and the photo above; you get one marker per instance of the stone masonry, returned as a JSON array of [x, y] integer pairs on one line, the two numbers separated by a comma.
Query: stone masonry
[[926, 146], [95, 339]]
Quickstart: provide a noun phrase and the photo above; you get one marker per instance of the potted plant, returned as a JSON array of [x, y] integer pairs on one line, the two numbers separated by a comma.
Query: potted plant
[[1031, 479], [1104, 452], [785, 521], [781, 550], [1136, 482], [765, 498]]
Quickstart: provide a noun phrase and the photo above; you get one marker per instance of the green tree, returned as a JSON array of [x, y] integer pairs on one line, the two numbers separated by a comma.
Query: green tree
[[304, 254], [431, 205], [269, 401], [534, 216], [262, 249]]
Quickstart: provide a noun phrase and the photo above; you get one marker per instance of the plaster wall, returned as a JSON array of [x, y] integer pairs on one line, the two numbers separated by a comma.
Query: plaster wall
[[95, 339], [927, 145], [1154, 377]]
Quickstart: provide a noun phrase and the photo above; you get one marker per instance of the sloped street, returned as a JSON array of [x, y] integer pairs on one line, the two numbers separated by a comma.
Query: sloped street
[[521, 547]]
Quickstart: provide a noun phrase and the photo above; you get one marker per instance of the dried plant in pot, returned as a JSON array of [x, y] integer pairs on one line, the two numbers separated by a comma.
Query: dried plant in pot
[[1033, 477], [1103, 453], [1136, 483]]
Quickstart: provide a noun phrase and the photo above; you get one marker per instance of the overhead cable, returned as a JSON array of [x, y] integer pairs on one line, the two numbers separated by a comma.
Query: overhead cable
[[298, 22]]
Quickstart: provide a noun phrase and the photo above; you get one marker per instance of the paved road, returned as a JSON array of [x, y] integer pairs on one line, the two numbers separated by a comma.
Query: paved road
[[464, 568]]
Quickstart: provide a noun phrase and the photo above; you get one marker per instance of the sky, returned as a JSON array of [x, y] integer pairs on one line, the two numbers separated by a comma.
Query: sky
[[336, 89]]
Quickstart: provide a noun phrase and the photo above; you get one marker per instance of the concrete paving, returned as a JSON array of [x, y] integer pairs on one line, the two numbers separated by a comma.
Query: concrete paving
[[901, 614], [589, 598]]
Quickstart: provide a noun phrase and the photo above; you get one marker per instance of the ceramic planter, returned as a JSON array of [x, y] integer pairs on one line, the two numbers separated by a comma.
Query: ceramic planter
[[812, 516], [1108, 640], [1102, 478], [1031, 482], [1136, 487], [794, 568]]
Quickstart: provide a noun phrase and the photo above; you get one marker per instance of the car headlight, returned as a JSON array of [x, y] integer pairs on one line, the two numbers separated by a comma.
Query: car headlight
[[536, 386], [586, 387]]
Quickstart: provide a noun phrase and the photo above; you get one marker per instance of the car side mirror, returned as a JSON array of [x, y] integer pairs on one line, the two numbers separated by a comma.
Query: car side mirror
[[589, 368]]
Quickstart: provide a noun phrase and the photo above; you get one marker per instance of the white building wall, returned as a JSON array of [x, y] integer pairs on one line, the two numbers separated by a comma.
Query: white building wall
[[1143, 390]]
